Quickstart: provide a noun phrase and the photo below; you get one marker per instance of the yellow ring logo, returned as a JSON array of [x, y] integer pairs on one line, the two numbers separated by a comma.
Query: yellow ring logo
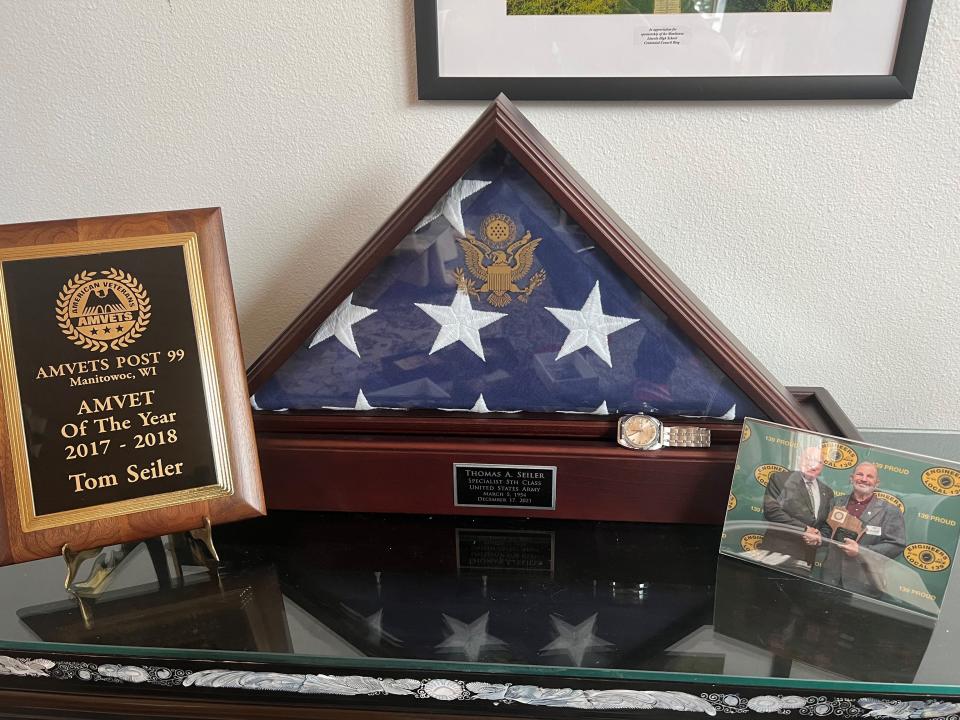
[[892, 499], [731, 502], [943, 481], [763, 473], [745, 435], [751, 542], [927, 557], [838, 456], [106, 310]]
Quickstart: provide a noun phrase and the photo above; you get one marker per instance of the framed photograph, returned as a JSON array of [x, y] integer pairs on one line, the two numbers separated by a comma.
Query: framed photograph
[[669, 49], [876, 522]]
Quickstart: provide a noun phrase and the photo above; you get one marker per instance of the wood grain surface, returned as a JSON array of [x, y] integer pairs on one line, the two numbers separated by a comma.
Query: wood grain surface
[[247, 498], [350, 462]]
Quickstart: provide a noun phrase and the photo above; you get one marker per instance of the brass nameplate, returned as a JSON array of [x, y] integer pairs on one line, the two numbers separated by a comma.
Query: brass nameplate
[[109, 381]]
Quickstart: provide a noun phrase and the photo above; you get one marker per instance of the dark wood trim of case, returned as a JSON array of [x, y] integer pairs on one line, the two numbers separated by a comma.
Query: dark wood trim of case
[[824, 412], [899, 85], [403, 463], [817, 404], [503, 123], [596, 480]]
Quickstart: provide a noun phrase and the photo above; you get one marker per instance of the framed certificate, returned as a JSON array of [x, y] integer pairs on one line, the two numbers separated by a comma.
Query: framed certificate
[[124, 406], [669, 49]]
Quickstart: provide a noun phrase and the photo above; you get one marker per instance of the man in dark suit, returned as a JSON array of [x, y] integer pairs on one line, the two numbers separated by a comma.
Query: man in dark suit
[[859, 566], [801, 501]]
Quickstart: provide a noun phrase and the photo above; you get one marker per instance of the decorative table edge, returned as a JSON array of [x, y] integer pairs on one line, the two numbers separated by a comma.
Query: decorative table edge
[[234, 678]]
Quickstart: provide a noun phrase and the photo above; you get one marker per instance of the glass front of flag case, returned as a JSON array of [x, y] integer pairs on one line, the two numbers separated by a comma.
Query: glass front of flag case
[[498, 302], [504, 316]]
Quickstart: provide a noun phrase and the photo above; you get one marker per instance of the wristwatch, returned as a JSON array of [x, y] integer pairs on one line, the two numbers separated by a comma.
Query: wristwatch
[[643, 432]]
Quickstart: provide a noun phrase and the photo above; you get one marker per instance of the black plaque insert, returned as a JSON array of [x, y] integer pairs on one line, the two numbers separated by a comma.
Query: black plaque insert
[[110, 376], [528, 487]]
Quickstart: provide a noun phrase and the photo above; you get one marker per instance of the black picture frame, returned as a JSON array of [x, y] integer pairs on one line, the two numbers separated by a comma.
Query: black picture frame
[[899, 85]]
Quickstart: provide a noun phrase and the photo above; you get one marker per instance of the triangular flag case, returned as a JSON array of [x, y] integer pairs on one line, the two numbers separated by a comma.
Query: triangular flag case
[[481, 352]]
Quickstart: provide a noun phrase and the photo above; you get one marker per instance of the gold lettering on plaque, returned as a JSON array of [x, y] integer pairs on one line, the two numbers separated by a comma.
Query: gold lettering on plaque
[[121, 449], [103, 310]]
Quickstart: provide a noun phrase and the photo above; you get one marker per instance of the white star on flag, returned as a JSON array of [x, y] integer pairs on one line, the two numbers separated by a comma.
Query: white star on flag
[[730, 414], [589, 327], [459, 322], [601, 410], [468, 639], [449, 204], [340, 324], [575, 641], [361, 404], [480, 406], [255, 406]]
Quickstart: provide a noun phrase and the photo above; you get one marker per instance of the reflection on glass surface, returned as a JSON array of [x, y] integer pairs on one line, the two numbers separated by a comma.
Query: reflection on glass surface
[[243, 612], [797, 621], [940, 444], [565, 596], [500, 294], [184, 607], [458, 592], [880, 578]]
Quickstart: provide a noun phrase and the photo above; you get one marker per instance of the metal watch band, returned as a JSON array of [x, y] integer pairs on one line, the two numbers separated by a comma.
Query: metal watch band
[[685, 437]]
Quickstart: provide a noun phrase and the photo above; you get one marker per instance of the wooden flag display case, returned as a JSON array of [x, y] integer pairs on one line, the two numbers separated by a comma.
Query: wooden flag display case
[[475, 355]]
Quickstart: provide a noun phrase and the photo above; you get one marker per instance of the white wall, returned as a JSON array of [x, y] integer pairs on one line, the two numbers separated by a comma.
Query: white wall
[[825, 235]]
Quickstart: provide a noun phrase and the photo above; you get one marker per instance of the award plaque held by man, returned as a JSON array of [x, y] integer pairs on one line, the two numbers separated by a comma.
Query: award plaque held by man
[[843, 525]]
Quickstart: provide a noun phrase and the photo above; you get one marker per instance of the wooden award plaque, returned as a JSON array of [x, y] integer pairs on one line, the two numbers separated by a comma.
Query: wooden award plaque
[[124, 408], [497, 274], [845, 525]]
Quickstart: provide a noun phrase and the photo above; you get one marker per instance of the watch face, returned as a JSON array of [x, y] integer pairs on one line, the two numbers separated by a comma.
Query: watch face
[[640, 431]]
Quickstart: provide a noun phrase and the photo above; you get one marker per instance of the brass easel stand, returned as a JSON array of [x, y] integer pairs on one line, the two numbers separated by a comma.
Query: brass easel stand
[[74, 560], [205, 536], [108, 560]]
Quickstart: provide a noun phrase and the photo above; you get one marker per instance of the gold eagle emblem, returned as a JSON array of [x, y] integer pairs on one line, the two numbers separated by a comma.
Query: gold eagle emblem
[[500, 263]]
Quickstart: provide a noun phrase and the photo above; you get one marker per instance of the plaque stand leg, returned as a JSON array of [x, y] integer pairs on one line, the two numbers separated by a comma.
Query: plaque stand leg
[[74, 560], [105, 563], [205, 536], [107, 560]]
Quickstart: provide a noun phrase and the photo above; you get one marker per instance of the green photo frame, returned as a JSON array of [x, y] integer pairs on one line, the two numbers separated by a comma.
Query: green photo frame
[[879, 523]]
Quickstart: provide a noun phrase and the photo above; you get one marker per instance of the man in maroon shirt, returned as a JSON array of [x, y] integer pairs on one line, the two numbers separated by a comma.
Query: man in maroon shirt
[[859, 566]]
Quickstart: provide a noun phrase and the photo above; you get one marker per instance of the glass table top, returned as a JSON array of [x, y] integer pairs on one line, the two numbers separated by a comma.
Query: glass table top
[[572, 598]]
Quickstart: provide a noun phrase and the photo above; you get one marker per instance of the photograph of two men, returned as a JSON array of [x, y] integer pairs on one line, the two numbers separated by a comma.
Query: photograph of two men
[[873, 521]]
